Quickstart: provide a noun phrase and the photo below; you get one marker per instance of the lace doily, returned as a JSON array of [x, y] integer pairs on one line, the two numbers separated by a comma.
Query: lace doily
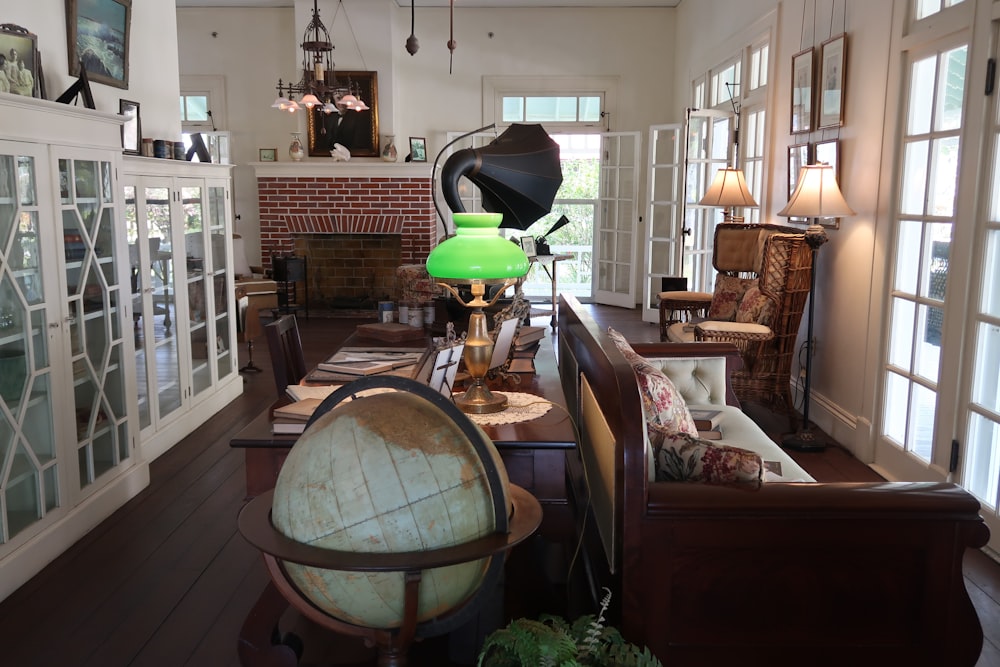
[[521, 407]]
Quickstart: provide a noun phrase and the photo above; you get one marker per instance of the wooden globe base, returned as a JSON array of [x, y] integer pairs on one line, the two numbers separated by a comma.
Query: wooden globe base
[[258, 646]]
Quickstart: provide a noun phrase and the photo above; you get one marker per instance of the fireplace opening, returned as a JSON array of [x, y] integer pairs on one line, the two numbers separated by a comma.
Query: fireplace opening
[[350, 271]]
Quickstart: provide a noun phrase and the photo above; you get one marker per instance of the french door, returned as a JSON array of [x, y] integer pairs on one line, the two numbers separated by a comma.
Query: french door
[[940, 412], [665, 187], [614, 229]]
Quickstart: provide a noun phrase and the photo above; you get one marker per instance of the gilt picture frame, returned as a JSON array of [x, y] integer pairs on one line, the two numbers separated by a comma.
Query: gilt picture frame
[[833, 63], [97, 35], [355, 130], [24, 46], [802, 91]]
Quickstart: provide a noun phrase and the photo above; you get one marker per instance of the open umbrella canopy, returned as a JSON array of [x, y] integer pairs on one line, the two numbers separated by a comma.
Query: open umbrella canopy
[[518, 174]]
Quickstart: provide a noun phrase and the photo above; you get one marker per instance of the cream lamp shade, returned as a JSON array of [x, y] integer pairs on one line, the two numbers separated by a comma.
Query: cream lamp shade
[[728, 188], [817, 195]]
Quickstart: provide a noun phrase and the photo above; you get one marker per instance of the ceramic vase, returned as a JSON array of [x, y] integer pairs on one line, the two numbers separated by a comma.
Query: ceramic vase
[[389, 151], [295, 150]]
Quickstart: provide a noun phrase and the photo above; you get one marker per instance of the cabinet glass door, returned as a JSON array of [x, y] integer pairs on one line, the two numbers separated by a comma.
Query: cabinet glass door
[[158, 336], [28, 458], [218, 217], [93, 295], [198, 263]]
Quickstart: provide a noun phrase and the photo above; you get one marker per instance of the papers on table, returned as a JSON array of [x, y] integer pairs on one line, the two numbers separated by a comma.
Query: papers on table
[[367, 362]]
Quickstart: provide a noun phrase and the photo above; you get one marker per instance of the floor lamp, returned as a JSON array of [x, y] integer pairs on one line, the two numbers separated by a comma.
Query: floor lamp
[[817, 195]]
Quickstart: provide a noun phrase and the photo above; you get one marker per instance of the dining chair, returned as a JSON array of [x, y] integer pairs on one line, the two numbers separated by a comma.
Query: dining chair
[[285, 345]]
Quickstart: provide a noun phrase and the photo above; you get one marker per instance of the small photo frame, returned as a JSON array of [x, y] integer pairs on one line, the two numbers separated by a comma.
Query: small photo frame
[[267, 154], [802, 91], [131, 128], [418, 149], [528, 245], [833, 62]]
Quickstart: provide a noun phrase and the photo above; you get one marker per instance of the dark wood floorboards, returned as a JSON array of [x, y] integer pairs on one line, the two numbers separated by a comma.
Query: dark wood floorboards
[[167, 580]]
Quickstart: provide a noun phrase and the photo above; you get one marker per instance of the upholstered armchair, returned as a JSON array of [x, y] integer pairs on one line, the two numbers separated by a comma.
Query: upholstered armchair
[[760, 293]]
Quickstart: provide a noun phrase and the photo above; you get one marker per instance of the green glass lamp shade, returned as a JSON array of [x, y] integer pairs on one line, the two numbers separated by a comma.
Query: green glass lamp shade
[[477, 252]]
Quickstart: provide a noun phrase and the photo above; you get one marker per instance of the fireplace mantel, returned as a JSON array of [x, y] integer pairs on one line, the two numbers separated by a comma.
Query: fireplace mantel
[[356, 168]]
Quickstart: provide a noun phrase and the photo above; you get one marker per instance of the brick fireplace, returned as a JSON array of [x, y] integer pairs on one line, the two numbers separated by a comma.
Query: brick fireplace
[[355, 223]]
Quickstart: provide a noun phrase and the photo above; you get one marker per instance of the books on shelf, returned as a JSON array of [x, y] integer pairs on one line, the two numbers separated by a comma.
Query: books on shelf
[[706, 420]]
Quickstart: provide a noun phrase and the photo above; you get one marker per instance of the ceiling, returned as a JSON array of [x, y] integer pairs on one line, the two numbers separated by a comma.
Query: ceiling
[[445, 3]]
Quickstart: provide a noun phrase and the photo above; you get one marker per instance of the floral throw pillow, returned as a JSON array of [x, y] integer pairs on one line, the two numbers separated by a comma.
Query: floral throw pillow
[[681, 457], [729, 291], [662, 403], [755, 307]]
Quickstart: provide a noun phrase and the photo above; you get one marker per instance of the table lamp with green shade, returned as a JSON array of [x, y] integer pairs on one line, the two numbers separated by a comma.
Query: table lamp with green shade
[[477, 256]]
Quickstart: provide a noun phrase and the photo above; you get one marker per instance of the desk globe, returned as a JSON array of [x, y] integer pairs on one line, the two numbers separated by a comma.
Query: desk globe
[[385, 474]]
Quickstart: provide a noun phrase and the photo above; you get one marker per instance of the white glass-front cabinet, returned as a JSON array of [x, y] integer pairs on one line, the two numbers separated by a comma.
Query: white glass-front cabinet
[[178, 232], [69, 453]]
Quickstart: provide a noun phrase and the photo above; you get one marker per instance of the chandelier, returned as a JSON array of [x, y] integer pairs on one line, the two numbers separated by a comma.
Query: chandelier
[[319, 85]]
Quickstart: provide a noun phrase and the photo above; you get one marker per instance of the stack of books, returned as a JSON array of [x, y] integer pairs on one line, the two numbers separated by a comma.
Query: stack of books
[[292, 418], [707, 423], [524, 349]]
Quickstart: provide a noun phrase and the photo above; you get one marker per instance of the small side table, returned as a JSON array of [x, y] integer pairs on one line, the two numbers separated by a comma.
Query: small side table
[[681, 306]]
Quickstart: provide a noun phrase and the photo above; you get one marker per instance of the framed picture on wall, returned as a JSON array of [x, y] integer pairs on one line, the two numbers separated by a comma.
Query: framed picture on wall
[[802, 91], [833, 59], [798, 157], [131, 129], [357, 131], [828, 152], [97, 35]]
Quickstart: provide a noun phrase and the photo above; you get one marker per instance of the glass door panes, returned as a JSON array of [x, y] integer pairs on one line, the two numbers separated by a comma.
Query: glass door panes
[[707, 151], [615, 246], [663, 227], [218, 216], [158, 337], [93, 296], [196, 245], [913, 428], [29, 463], [139, 285]]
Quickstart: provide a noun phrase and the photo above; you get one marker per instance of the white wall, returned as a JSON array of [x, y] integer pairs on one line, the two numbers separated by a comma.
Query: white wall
[[845, 266], [153, 71], [417, 95]]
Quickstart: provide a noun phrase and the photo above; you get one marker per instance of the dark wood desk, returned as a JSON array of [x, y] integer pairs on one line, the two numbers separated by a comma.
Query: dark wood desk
[[534, 452]]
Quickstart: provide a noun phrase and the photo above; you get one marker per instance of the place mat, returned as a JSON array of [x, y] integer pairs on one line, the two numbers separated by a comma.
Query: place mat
[[521, 407]]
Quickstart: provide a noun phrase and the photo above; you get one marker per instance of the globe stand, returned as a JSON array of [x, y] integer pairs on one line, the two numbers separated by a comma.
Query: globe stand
[[257, 646]]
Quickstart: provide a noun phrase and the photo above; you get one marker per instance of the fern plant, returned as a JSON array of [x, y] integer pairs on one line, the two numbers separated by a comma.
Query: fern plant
[[551, 641]]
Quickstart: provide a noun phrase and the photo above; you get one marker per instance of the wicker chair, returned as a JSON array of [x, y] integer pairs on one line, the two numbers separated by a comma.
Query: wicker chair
[[779, 259]]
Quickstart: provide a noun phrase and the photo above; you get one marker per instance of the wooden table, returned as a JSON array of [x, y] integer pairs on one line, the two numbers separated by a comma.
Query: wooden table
[[533, 452]]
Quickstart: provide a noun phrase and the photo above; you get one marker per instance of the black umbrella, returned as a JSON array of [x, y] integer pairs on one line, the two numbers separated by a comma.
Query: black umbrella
[[518, 173]]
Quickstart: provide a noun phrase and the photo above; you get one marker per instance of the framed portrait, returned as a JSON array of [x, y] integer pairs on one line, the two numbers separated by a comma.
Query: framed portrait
[[20, 61], [267, 154], [828, 152], [528, 245], [802, 91], [131, 128], [798, 157], [355, 130], [418, 149], [833, 59], [97, 33]]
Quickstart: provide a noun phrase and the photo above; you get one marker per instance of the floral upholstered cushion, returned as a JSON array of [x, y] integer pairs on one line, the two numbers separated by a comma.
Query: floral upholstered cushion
[[662, 404], [682, 457], [755, 307], [729, 291]]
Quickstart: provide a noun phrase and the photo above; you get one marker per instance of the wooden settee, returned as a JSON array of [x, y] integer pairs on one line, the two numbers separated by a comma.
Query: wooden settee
[[781, 574]]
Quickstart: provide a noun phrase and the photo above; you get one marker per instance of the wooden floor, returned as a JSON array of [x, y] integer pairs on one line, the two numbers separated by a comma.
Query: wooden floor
[[167, 580]]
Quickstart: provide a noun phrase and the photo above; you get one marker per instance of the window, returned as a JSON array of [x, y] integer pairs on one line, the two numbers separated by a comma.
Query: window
[[924, 8], [552, 109], [202, 103], [728, 73], [194, 108]]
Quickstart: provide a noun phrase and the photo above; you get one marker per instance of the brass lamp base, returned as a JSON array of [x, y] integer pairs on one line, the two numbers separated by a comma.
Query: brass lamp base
[[479, 400]]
